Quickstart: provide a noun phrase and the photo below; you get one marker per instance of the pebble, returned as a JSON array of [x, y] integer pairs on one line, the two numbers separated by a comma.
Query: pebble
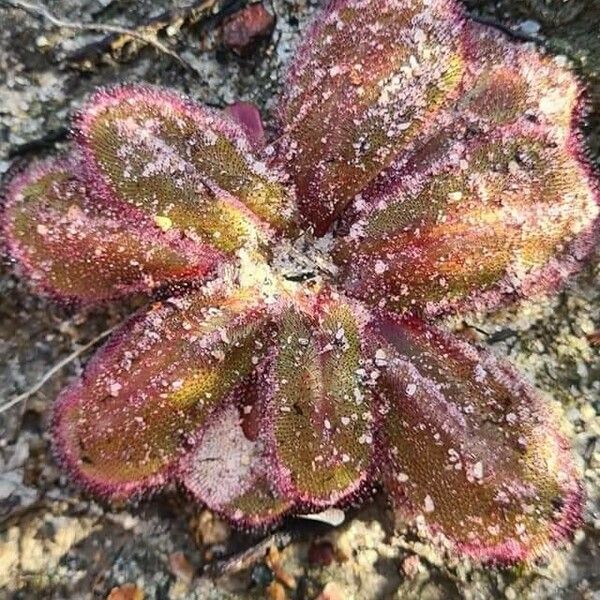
[[410, 566], [261, 575], [128, 591], [530, 27], [9, 482], [587, 413], [181, 567], [246, 28], [321, 553], [276, 591], [209, 529], [510, 593], [332, 591], [273, 561]]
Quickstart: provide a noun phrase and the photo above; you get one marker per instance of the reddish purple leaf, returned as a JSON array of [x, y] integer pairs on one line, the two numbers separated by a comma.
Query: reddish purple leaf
[[123, 427], [471, 447], [77, 248], [367, 79], [495, 220], [248, 116], [182, 164]]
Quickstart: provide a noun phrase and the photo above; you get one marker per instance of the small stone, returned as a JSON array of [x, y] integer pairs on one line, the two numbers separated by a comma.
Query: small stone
[[181, 567], [428, 504], [321, 553], [530, 27], [587, 412], [380, 358], [209, 529], [510, 593], [244, 30], [128, 591], [276, 591], [410, 566], [163, 222], [7, 486], [343, 549], [477, 470], [273, 556], [273, 561], [594, 338], [332, 591], [380, 267], [261, 575]]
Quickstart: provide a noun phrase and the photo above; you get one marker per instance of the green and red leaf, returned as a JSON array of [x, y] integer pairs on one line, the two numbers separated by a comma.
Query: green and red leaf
[[321, 403], [497, 220], [469, 447], [368, 78], [184, 165], [74, 247], [123, 427]]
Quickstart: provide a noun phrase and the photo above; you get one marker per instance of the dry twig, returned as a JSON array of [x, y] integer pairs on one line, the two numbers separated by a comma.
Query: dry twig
[[509, 31], [55, 369], [247, 558], [41, 11]]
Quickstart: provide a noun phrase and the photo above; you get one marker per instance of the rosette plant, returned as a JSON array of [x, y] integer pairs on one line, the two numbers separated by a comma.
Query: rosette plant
[[422, 165]]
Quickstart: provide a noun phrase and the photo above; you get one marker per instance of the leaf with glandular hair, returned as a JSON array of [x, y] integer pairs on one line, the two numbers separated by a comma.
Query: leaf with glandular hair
[[367, 79], [508, 83], [231, 468], [232, 472], [504, 86], [300, 431], [182, 164], [320, 403], [470, 447], [248, 117], [123, 426], [75, 248], [501, 218]]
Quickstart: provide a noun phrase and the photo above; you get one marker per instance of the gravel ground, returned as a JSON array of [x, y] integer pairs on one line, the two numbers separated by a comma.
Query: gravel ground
[[56, 543]]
